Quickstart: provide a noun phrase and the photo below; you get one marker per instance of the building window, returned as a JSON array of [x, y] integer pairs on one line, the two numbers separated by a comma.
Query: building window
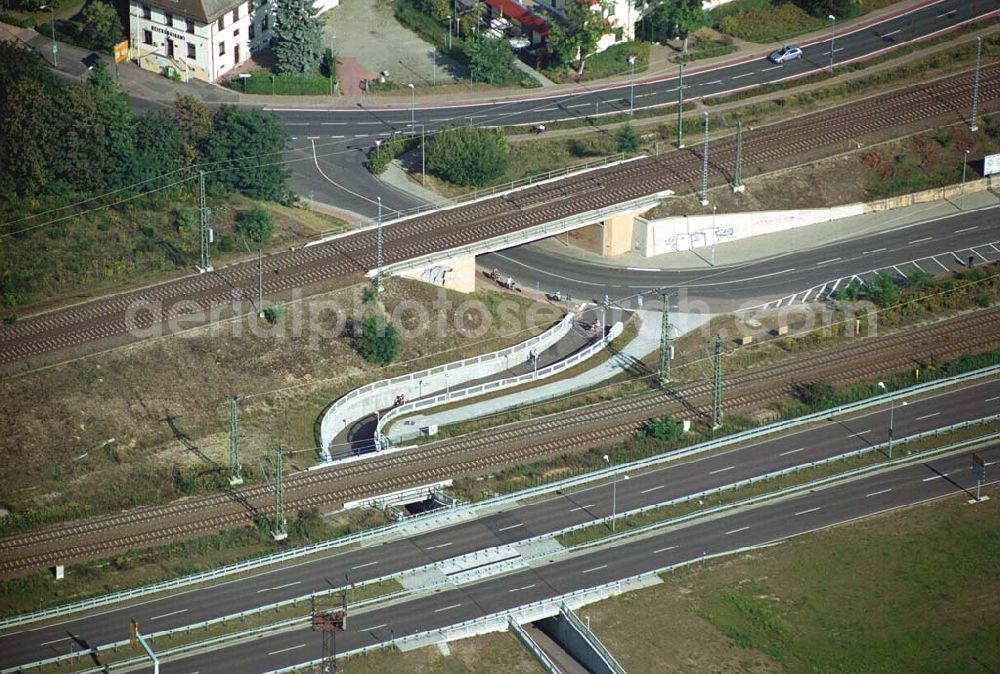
[[147, 37], [190, 26], [192, 53], [147, 13], [252, 32], [169, 19], [221, 23], [249, 7], [236, 14], [222, 48], [236, 33]]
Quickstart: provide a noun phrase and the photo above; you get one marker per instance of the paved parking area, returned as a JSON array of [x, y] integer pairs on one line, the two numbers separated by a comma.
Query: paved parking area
[[368, 39]]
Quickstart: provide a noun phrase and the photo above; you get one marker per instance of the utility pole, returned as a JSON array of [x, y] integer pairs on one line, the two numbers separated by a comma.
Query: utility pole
[[235, 469], [278, 526], [666, 343], [206, 233], [680, 109], [378, 249], [717, 385], [738, 185], [260, 283], [974, 125], [704, 167]]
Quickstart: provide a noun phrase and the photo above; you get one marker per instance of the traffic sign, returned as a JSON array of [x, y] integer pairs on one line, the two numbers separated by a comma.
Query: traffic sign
[[121, 51], [979, 468], [55, 48]]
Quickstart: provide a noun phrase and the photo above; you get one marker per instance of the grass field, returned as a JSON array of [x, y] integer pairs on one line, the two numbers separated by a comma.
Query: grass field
[[912, 591]]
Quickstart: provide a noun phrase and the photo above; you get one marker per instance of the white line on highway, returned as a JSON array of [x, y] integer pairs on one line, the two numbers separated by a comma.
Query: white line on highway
[[876, 493], [927, 416], [279, 587], [372, 629], [361, 135], [313, 137], [791, 451], [446, 608], [659, 486], [285, 650], [989, 400], [880, 250], [641, 269], [834, 259], [370, 123], [804, 512], [944, 14], [656, 552], [337, 136], [967, 229], [736, 531], [333, 123], [361, 566], [596, 568], [861, 432], [518, 589], [926, 238], [708, 84], [545, 109], [296, 123], [898, 30], [583, 507], [770, 69], [55, 641], [435, 547], [720, 470], [512, 526], [934, 477], [579, 105], [736, 77], [167, 615]]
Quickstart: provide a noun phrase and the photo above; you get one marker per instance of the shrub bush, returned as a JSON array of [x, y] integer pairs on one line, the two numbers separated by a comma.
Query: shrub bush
[[468, 156], [376, 340]]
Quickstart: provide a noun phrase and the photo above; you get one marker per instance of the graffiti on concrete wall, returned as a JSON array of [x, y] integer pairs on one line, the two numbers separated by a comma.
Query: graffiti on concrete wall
[[435, 275]]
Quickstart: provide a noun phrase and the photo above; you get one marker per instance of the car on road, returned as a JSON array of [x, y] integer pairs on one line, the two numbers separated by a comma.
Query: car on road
[[787, 53]]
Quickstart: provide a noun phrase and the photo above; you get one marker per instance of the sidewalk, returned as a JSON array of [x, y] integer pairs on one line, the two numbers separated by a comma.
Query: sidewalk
[[646, 342]]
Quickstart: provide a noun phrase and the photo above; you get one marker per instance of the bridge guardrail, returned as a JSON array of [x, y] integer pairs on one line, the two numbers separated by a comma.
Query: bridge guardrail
[[594, 476]]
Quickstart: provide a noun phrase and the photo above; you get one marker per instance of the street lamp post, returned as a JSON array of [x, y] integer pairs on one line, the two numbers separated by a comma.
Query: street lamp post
[[449, 32], [833, 34], [715, 236], [52, 19], [965, 163], [614, 495], [413, 91], [631, 95], [892, 410]]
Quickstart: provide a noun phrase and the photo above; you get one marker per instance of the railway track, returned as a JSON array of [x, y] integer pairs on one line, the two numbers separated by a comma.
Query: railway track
[[343, 261], [493, 449]]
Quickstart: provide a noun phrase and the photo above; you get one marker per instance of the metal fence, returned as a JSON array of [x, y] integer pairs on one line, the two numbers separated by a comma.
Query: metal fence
[[529, 643], [431, 518]]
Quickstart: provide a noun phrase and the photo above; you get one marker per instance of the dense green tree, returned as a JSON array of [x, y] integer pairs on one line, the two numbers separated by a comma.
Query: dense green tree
[[628, 139], [675, 19], [577, 39], [100, 25], [666, 427], [440, 10], [491, 60], [245, 153], [297, 37], [159, 147], [376, 340], [257, 224], [194, 121], [468, 155], [839, 8]]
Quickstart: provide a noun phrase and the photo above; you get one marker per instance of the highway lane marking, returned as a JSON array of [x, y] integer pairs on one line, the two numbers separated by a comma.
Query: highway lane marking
[[361, 135], [583, 507], [361, 566], [926, 238], [641, 269], [736, 531], [708, 84], [880, 250], [337, 136], [646, 491], [313, 137], [656, 552], [927, 416], [435, 547], [546, 109], [55, 641], [934, 477], [876, 493], [446, 608], [372, 629], [967, 229], [898, 30], [512, 526], [579, 105], [333, 123], [370, 123], [805, 512], [720, 470], [167, 615], [279, 587], [296, 123], [989, 400], [518, 589], [948, 13], [596, 568], [736, 77], [860, 432], [765, 70], [834, 259], [285, 650], [791, 451]]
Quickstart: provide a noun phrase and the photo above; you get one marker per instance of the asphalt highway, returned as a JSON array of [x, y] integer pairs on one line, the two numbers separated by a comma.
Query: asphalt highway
[[947, 239], [329, 145], [880, 493], [509, 527]]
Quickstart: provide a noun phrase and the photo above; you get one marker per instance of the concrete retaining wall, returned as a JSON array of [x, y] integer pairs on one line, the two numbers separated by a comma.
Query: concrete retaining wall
[[951, 192], [382, 394], [668, 235]]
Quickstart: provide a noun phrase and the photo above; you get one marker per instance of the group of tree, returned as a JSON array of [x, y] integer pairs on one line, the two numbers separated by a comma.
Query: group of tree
[[62, 140], [575, 39], [491, 60], [468, 156], [673, 19]]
